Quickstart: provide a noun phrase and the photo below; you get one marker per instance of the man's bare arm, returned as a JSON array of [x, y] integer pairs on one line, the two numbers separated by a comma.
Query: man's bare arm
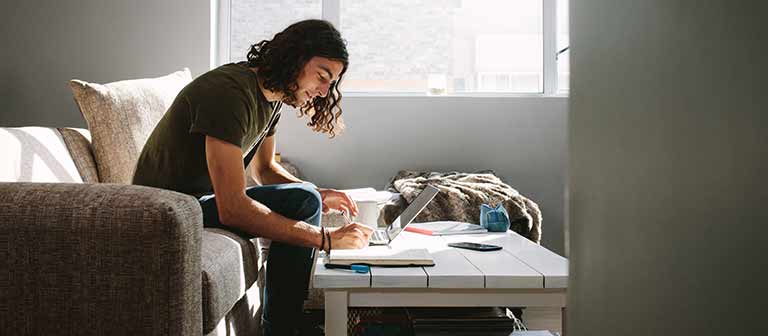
[[265, 169], [237, 210]]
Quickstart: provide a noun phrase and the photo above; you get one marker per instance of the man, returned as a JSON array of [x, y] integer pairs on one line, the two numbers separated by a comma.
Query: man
[[199, 145]]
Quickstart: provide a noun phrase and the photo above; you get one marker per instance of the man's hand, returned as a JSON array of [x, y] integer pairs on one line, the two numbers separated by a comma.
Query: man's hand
[[337, 200], [350, 236]]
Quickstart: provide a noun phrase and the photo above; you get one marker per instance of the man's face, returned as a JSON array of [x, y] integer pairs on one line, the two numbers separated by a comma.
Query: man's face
[[315, 80]]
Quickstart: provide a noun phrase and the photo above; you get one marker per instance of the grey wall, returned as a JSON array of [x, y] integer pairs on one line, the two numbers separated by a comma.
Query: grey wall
[[522, 139], [45, 43], [667, 132]]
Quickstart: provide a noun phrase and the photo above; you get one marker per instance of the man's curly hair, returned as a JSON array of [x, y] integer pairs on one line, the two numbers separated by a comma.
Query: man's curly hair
[[281, 60]]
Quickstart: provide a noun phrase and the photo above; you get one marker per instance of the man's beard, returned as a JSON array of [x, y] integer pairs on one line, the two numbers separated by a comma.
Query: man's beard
[[292, 101]]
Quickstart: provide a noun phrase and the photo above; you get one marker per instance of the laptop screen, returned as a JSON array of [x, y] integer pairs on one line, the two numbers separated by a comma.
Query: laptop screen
[[413, 210]]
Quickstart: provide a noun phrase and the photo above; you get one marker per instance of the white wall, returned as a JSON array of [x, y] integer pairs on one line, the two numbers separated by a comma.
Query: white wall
[[668, 159], [45, 43], [522, 139]]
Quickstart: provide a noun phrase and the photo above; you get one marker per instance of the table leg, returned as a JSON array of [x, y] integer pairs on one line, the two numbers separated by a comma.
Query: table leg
[[563, 314], [336, 303]]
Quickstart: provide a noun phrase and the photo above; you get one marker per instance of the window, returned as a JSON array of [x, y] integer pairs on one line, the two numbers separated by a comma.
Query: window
[[422, 46], [251, 21]]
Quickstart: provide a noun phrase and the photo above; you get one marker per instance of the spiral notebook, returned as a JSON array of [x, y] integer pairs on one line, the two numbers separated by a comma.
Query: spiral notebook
[[383, 256]]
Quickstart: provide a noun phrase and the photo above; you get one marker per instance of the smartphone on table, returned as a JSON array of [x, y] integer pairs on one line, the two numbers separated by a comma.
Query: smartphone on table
[[475, 246]]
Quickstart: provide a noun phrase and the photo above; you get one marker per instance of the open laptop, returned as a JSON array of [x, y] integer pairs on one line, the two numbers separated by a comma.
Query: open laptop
[[386, 235]]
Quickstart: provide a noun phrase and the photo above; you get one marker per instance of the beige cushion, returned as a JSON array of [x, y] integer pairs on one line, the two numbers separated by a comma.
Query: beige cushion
[[35, 154], [122, 115], [78, 142]]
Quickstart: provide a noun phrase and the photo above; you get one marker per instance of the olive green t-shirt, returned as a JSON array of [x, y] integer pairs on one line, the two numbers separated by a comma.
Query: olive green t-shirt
[[225, 103]]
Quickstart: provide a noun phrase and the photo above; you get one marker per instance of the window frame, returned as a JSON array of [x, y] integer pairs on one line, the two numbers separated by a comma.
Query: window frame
[[331, 11]]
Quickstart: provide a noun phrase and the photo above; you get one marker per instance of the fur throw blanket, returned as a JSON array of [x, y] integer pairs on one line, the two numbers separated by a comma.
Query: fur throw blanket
[[460, 197]]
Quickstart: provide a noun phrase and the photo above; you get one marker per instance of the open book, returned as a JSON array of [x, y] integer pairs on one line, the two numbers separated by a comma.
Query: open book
[[383, 256], [444, 228]]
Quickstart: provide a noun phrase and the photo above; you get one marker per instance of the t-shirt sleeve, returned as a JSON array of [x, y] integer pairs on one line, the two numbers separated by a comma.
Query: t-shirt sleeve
[[222, 116], [273, 129]]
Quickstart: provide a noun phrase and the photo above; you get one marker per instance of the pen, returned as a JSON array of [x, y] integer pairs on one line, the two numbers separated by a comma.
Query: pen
[[346, 218], [354, 267]]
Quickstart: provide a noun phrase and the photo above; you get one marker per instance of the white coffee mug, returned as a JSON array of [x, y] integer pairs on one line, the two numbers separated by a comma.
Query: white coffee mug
[[367, 213]]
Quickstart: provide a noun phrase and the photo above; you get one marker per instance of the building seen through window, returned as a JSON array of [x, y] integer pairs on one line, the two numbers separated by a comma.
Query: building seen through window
[[423, 46]]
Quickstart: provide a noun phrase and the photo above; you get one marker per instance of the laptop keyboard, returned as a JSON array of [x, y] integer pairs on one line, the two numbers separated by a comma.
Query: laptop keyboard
[[378, 235]]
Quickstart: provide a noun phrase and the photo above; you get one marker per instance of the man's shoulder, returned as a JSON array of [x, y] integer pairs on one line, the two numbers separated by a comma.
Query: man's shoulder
[[229, 81]]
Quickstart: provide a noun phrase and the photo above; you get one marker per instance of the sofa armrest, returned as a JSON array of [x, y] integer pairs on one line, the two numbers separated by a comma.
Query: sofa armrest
[[99, 259]]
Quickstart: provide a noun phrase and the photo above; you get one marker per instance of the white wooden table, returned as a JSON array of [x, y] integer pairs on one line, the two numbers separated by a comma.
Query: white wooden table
[[522, 274]]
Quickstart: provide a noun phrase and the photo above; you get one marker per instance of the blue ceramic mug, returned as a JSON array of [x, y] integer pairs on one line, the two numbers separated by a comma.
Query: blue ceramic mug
[[494, 219]]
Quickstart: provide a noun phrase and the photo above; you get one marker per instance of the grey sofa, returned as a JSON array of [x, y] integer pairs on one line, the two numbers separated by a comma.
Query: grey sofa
[[80, 257]]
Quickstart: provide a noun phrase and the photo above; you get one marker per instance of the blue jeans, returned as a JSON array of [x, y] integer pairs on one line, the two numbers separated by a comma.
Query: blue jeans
[[288, 266]]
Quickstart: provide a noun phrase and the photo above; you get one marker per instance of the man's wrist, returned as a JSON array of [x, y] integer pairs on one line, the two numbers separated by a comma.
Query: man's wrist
[[321, 239]]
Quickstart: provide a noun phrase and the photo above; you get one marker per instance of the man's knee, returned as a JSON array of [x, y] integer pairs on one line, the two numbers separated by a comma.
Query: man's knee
[[309, 200], [299, 201]]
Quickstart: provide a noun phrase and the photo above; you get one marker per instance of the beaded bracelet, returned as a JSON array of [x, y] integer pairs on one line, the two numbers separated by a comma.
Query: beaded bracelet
[[329, 242]]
